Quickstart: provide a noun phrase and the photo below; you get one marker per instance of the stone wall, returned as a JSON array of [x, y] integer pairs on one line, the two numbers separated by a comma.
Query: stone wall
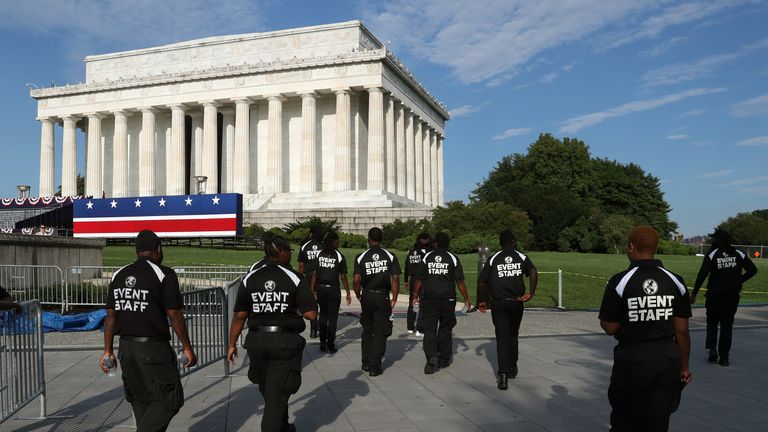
[[354, 220], [19, 249]]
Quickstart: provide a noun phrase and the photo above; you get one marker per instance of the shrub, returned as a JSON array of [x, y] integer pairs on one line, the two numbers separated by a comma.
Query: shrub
[[354, 241], [669, 247]]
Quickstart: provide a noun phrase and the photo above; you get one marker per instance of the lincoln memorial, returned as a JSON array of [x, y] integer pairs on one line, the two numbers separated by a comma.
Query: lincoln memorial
[[321, 121]]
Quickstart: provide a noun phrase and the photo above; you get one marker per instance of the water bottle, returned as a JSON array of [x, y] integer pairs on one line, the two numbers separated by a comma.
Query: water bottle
[[109, 364], [182, 358], [464, 308], [416, 307]]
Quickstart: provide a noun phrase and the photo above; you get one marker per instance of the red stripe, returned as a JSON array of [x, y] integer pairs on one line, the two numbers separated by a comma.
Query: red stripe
[[158, 225]]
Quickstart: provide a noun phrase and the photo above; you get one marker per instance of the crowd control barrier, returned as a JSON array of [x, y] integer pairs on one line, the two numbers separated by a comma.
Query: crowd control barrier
[[22, 375], [88, 285], [192, 278], [28, 282], [207, 317]]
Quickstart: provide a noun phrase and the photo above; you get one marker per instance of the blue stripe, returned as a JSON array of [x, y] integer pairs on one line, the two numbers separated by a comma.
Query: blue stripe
[[175, 205]]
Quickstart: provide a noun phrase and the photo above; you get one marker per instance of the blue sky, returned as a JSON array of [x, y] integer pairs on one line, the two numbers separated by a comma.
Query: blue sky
[[678, 87]]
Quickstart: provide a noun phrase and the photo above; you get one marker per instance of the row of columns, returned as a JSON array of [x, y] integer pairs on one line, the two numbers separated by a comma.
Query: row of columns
[[404, 157]]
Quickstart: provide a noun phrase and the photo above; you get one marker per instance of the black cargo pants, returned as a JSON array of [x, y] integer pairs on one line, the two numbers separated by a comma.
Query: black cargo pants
[[437, 320], [377, 327], [329, 301], [151, 382], [276, 368], [506, 316], [721, 312]]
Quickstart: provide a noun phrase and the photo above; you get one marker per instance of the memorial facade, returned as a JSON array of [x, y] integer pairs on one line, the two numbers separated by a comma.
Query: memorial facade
[[320, 120]]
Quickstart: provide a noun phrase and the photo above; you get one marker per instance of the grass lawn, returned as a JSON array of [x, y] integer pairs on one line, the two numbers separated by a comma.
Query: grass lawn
[[584, 275]]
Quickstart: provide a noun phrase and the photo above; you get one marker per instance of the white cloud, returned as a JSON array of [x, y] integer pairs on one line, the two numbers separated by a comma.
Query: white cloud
[[664, 47], [91, 26], [575, 124], [754, 107], [682, 72], [693, 113], [702, 143], [746, 182], [715, 174], [509, 133], [466, 110], [483, 41], [677, 137], [760, 190], [755, 141]]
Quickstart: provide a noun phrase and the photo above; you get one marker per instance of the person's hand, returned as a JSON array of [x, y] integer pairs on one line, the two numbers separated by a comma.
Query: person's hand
[[482, 307], [693, 299], [349, 299], [686, 377], [314, 294], [415, 301], [525, 297], [109, 354], [392, 303], [232, 355], [467, 306], [191, 357]]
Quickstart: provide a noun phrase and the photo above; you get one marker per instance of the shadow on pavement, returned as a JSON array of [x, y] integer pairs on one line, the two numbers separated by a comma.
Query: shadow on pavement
[[343, 390]]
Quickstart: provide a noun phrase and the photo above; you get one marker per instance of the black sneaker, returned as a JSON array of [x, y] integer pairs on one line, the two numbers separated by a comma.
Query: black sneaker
[[712, 356], [323, 348], [431, 366], [313, 333], [503, 381], [375, 371], [365, 368], [445, 363], [724, 361], [513, 372], [332, 349]]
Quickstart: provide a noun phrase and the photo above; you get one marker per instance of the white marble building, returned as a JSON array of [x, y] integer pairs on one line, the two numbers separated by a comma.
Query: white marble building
[[319, 121]]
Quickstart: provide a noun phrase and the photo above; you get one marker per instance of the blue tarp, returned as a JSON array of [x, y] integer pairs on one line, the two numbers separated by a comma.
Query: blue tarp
[[71, 323]]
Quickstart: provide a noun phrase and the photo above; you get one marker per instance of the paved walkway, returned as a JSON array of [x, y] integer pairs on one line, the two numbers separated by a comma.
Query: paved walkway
[[561, 385]]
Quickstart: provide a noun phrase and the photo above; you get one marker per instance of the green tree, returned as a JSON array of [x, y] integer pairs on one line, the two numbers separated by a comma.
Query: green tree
[[748, 228], [485, 220]]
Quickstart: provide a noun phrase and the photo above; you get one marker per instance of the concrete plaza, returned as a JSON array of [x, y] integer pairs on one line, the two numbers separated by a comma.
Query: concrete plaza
[[565, 366]]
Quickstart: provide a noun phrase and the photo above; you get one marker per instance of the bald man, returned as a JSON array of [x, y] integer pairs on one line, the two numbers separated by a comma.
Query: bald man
[[646, 308]]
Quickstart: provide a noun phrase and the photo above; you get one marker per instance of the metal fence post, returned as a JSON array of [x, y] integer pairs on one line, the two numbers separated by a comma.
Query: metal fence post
[[560, 289], [41, 359], [225, 329]]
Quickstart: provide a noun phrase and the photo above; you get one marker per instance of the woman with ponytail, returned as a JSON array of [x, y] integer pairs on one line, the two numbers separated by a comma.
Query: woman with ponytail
[[327, 269]]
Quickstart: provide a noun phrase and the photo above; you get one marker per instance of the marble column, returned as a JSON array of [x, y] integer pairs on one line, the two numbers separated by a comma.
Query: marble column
[[120, 155], [210, 166], [69, 157], [228, 146], [147, 148], [435, 168], [241, 170], [427, 165], [400, 173], [419, 160], [440, 172], [275, 144], [343, 161], [93, 166], [389, 129], [196, 149], [308, 165], [376, 139], [410, 156], [176, 165], [47, 157]]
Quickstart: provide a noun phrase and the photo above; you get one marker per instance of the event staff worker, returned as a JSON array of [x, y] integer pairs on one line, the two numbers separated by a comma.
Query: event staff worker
[[329, 266], [502, 289], [142, 297], [377, 276], [728, 269], [646, 308], [439, 274], [273, 299], [308, 254], [413, 259]]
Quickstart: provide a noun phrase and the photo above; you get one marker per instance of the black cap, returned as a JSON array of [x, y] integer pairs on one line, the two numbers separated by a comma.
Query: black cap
[[147, 240]]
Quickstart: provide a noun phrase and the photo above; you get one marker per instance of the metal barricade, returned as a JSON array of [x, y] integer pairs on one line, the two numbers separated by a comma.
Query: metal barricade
[[207, 317], [22, 374], [88, 285], [192, 278], [26, 282]]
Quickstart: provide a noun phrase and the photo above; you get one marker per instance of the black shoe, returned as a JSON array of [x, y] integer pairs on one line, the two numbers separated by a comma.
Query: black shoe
[[375, 371], [503, 381], [332, 349], [313, 334], [323, 348], [290, 428], [431, 366], [445, 363], [365, 368], [724, 361], [513, 372], [712, 356]]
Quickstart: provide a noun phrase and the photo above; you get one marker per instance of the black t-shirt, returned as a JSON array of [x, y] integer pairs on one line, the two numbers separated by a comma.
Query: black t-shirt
[[376, 267], [412, 261], [309, 252], [503, 274], [258, 264], [328, 266], [439, 272], [141, 293], [644, 298], [275, 295], [724, 267]]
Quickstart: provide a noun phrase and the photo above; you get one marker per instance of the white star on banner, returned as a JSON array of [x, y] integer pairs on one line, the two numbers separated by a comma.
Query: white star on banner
[[137, 202], [188, 201], [113, 204], [215, 200], [162, 202], [89, 205]]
